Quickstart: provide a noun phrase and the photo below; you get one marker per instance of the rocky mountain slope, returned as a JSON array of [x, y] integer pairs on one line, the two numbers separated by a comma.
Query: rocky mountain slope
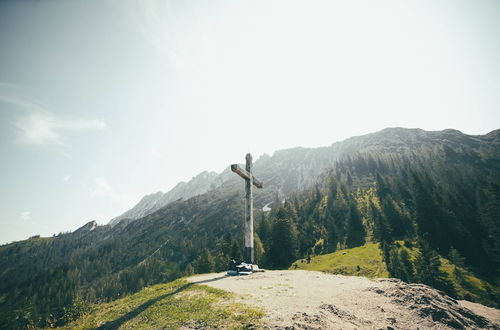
[[198, 185], [437, 187], [289, 170]]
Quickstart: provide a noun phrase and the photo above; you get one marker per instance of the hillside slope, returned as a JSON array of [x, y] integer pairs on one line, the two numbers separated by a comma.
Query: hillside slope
[[436, 187], [368, 261], [179, 304], [287, 300], [365, 261]]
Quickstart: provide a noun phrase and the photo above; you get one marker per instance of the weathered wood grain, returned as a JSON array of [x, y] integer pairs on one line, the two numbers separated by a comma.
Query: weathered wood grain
[[244, 174]]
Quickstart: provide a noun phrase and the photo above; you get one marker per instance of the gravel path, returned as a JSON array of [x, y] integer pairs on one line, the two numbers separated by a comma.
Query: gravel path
[[312, 300]]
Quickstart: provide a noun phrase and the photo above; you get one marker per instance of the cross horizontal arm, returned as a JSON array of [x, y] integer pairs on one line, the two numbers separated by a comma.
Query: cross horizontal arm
[[245, 175]]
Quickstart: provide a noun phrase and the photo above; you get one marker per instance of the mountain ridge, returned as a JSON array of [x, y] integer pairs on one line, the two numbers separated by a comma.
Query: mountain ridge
[[208, 181]]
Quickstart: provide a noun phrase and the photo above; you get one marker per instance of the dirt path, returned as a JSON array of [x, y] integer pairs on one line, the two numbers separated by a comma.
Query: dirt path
[[314, 300]]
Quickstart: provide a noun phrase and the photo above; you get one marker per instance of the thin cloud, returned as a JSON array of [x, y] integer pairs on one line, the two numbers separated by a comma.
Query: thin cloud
[[45, 128], [153, 21], [26, 216], [66, 177], [14, 95], [38, 126], [167, 26], [103, 188]]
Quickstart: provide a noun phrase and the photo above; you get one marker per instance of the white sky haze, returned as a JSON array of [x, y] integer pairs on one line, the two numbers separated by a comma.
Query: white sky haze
[[102, 102]]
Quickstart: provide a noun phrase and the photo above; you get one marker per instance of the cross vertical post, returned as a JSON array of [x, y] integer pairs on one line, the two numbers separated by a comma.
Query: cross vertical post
[[249, 252], [250, 181]]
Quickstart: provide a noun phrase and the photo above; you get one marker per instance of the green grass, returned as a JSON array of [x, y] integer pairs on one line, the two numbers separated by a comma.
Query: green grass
[[466, 285], [365, 261], [470, 287], [171, 306]]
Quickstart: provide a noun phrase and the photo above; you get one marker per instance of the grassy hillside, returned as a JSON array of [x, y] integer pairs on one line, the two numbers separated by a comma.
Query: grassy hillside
[[367, 261], [170, 306]]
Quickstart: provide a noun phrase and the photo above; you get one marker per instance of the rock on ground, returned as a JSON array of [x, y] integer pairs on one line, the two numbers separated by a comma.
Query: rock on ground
[[298, 299]]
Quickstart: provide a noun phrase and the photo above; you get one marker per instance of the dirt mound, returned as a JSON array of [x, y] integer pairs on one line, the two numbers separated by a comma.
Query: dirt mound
[[427, 302], [313, 300], [328, 317]]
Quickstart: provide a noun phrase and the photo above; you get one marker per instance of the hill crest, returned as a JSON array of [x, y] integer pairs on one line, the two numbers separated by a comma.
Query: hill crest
[[314, 300]]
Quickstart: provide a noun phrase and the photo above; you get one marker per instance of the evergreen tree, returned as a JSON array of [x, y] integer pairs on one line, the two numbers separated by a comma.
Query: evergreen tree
[[282, 251], [258, 249], [332, 237], [263, 227], [489, 218], [189, 270], [355, 230], [427, 265], [408, 274], [382, 187], [400, 265], [204, 263], [393, 263], [456, 258], [399, 227], [236, 251], [382, 233], [427, 214], [221, 262]]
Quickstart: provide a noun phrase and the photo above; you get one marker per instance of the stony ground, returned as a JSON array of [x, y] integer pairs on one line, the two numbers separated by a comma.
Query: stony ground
[[313, 300]]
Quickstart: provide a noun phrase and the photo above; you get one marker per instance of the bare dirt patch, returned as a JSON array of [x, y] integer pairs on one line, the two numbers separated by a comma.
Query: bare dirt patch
[[312, 300]]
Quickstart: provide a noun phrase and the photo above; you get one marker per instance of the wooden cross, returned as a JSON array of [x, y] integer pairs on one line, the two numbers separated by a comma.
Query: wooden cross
[[250, 181]]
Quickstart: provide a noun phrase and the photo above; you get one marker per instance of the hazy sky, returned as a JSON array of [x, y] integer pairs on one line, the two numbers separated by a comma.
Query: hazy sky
[[102, 102]]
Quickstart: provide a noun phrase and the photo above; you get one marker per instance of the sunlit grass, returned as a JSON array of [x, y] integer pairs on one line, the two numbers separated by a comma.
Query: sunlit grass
[[365, 261], [468, 286], [171, 306]]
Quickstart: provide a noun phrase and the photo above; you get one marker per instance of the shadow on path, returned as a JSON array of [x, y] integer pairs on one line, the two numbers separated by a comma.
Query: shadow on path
[[210, 280], [130, 315]]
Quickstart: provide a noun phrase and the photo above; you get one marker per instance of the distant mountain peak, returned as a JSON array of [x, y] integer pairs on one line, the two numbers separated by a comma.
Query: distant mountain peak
[[88, 227], [199, 184]]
